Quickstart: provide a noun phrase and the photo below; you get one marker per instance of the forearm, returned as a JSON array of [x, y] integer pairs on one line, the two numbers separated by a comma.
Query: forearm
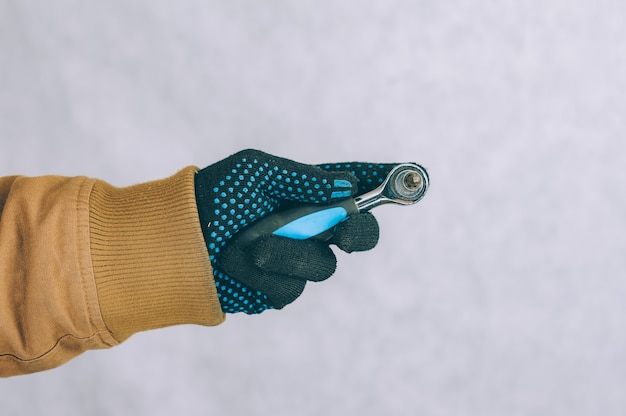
[[84, 265], [48, 302]]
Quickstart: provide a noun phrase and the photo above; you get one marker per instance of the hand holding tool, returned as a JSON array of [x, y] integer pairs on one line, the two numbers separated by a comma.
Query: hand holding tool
[[268, 222]]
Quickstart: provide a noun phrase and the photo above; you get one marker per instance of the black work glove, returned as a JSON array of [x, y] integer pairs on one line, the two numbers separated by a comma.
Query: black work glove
[[272, 271]]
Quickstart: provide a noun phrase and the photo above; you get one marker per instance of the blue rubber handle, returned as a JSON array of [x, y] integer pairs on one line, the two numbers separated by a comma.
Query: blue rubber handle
[[312, 224], [315, 221]]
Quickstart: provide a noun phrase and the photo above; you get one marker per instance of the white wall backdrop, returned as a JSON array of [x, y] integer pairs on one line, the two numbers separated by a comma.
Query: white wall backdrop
[[502, 293]]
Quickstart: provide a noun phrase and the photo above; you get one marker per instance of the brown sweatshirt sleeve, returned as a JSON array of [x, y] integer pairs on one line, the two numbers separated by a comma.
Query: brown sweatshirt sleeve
[[84, 265]]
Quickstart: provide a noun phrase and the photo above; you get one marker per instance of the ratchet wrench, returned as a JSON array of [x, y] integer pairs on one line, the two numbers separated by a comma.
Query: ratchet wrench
[[405, 184]]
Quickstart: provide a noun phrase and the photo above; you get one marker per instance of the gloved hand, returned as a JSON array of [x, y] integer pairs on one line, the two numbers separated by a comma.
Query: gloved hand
[[272, 271]]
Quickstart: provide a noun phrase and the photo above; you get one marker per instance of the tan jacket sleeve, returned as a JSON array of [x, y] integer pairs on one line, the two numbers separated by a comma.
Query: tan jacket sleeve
[[84, 265]]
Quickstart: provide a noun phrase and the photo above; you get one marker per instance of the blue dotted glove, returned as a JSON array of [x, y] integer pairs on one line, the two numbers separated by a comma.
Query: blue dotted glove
[[272, 271]]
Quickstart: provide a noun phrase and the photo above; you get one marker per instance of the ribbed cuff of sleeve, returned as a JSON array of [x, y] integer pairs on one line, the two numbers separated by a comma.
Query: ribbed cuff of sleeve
[[150, 260]]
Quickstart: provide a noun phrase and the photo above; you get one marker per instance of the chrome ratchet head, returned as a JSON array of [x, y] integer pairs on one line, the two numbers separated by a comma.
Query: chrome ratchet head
[[405, 184]]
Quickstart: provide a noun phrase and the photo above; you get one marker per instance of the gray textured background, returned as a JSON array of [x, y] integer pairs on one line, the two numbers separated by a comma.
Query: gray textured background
[[502, 293]]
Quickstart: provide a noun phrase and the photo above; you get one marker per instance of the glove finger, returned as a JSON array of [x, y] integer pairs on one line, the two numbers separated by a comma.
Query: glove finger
[[357, 233], [280, 290], [368, 175], [300, 259], [283, 293]]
